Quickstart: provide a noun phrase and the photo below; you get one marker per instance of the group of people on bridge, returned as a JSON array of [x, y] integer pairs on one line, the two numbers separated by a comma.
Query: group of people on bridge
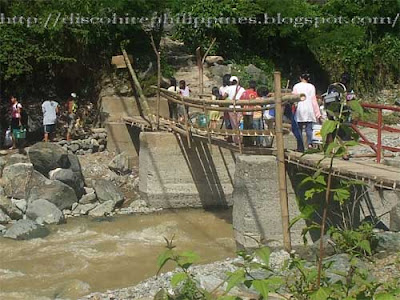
[[305, 114]]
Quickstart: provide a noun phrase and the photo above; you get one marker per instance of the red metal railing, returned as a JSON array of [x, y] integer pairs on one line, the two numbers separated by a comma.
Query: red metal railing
[[380, 126]]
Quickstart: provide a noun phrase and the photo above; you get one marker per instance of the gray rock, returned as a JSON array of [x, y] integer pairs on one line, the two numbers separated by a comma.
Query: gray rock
[[2, 165], [99, 130], [220, 70], [2, 229], [106, 190], [25, 230], [70, 178], [16, 159], [103, 209], [102, 148], [256, 73], [88, 190], [388, 242], [214, 59], [138, 204], [83, 209], [20, 204], [10, 209], [16, 178], [54, 191], [4, 219], [120, 164], [48, 156], [88, 198], [45, 210], [395, 218], [2, 192], [328, 246], [73, 148]]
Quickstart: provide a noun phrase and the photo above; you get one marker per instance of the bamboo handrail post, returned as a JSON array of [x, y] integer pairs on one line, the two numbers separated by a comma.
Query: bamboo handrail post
[[158, 56], [207, 126], [185, 115], [142, 97], [281, 162]]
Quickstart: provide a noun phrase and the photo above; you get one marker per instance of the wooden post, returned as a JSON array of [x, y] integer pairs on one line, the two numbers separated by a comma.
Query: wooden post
[[200, 66], [281, 162], [158, 56], [186, 117], [142, 98]]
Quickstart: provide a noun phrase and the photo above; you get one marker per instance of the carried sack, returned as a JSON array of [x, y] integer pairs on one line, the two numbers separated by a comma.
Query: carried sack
[[19, 134], [8, 139]]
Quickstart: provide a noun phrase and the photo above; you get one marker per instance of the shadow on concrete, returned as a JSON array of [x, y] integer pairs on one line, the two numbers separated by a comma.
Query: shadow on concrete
[[204, 173]]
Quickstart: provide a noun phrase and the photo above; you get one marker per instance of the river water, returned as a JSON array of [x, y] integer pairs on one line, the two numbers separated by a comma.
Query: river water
[[87, 255]]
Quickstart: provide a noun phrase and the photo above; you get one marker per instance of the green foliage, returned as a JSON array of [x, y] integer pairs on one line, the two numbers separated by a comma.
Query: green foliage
[[359, 242]]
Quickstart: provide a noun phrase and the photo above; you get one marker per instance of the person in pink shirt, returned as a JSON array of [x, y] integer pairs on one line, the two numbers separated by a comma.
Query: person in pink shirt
[[15, 117]]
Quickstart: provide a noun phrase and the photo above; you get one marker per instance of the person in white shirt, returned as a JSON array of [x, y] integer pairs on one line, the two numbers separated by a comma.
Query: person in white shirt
[[305, 113], [185, 92], [50, 110], [172, 106], [234, 92], [222, 90]]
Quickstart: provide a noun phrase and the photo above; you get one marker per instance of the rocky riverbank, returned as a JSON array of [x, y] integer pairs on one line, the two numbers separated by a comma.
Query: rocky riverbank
[[50, 184], [383, 267]]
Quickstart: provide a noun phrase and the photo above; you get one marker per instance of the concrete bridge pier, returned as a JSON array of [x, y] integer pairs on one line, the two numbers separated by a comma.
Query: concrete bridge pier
[[256, 208]]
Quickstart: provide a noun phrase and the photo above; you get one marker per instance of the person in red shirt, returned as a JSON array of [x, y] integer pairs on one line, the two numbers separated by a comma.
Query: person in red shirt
[[249, 94]]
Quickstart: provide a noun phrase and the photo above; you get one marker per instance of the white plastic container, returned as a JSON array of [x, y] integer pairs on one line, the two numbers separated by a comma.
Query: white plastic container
[[316, 134]]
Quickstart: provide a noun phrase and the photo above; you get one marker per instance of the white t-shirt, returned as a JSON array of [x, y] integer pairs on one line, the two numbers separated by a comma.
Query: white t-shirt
[[231, 91], [49, 109], [185, 92], [222, 90], [305, 111], [174, 89]]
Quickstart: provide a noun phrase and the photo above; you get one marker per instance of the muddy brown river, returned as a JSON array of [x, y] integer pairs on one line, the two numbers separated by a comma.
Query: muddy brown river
[[87, 255]]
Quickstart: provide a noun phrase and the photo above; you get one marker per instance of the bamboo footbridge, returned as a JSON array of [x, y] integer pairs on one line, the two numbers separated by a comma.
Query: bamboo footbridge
[[374, 174]]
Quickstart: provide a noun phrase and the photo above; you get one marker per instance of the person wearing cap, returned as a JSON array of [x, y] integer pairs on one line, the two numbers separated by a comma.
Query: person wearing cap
[[50, 109], [71, 110], [234, 92]]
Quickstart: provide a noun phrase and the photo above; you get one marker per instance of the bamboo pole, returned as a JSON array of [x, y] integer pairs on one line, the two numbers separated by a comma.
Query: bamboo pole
[[207, 128], [200, 67], [158, 56], [142, 98], [185, 115], [270, 100], [281, 162]]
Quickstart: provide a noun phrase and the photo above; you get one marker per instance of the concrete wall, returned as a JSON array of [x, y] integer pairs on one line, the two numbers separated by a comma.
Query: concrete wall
[[256, 204], [172, 175]]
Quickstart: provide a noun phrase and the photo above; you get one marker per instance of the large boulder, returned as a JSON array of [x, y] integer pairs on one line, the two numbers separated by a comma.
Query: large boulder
[[214, 59], [54, 191], [48, 156], [70, 178], [88, 198], [4, 218], [256, 73], [83, 209], [120, 164], [107, 190], [16, 159], [2, 165], [16, 178], [46, 211], [25, 230], [103, 209], [10, 209], [221, 70], [388, 242]]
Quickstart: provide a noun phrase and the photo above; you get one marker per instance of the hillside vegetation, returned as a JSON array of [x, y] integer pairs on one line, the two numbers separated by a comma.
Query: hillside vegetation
[[57, 53]]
